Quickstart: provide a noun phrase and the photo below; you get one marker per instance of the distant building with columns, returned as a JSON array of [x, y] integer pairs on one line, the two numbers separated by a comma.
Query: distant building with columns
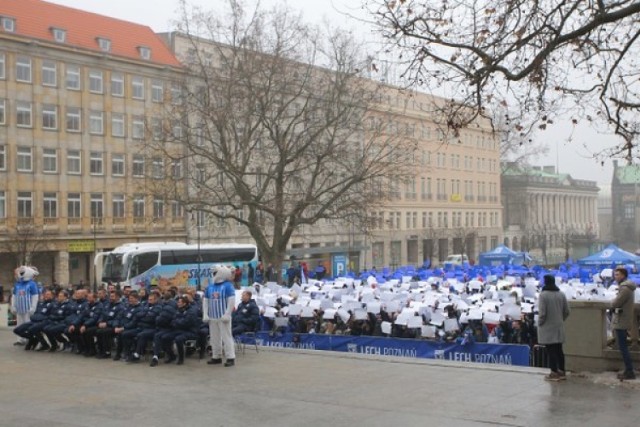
[[551, 215], [625, 195]]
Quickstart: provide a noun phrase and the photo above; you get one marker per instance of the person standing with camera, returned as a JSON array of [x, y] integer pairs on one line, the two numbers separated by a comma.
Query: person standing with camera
[[553, 310], [622, 321]]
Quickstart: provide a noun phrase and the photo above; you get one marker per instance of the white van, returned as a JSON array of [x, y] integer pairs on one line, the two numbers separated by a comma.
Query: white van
[[457, 259]]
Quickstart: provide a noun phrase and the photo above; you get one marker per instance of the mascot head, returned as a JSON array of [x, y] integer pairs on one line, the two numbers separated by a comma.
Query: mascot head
[[221, 273], [26, 273]]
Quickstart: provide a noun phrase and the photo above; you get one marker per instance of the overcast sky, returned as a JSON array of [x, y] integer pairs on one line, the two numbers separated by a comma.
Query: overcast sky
[[571, 149]]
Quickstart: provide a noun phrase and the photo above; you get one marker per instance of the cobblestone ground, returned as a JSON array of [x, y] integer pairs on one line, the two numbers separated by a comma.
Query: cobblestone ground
[[287, 388]]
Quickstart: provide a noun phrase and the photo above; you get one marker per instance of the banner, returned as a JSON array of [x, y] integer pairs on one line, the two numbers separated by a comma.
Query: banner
[[503, 354]]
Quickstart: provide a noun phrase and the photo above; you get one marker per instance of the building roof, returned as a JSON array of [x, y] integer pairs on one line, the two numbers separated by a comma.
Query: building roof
[[629, 174], [36, 19], [542, 176]]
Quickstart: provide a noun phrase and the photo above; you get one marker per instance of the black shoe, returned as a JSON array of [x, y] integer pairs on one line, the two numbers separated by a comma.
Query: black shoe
[[53, 348], [229, 362], [117, 357], [170, 359], [44, 348], [30, 345], [214, 362], [102, 356], [627, 375], [180, 362], [154, 362]]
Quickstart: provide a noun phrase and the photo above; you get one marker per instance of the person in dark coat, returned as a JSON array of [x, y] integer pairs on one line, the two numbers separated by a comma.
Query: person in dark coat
[[89, 325], [110, 319], [32, 330], [147, 325], [184, 326], [60, 320], [246, 317], [553, 310], [623, 310], [163, 323]]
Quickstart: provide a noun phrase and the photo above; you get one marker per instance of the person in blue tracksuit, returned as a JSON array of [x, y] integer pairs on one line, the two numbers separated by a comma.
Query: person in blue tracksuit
[[147, 325], [60, 320], [32, 330], [163, 323], [129, 328], [217, 305], [110, 319], [246, 317], [73, 331], [89, 325], [184, 327]]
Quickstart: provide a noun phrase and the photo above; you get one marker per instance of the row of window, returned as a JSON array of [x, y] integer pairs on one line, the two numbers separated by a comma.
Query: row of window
[[49, 115], [50, 163], [24, 205], [482, 164], [439, 219], [75, 77]]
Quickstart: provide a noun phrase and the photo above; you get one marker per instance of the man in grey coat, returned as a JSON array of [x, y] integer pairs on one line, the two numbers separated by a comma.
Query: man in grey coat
[[553, 310], [622, 307]]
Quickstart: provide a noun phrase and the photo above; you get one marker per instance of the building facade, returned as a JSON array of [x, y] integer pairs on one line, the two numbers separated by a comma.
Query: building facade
[[452, 204], [76, 92], [553, 216], [625, 206]]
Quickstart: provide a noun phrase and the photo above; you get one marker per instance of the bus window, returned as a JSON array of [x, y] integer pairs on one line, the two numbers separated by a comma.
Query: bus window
[[141, 263]]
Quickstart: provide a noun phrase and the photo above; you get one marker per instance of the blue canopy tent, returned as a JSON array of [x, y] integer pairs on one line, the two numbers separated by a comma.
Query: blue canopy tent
[[610, 256], [501, 255]]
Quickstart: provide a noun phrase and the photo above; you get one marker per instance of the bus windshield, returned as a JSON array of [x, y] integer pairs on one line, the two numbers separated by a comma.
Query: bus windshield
[[113, 270]]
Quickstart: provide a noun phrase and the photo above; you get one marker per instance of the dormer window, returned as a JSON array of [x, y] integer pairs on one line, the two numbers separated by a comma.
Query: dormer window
[[145, 52], [59, 34], [8, 24], [105, 44]]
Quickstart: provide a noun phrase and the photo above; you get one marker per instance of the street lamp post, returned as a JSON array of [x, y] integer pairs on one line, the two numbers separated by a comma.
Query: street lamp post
[[198, 256]]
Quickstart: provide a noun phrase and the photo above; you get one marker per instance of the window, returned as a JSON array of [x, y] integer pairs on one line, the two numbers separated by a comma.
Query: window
[[176, 129], [50, 205], [23, 111], [74, 205], [3, 157], [156, 128], [145, 52], [49, 117], [25, 204], [3, 116], [3, 205], [59, 34], [117, 84], [25, 159], [629, 210], [49, 73], [138, 206], [72, 78], [96, 125], [137, 127], [117, 125], [157, 168], [23, 69], [157, 91], [118, 205], [117, 164], [158, 208], [49, 160], [74, 162], [138, 166], [8, 24], [3, 63], [74, 119], [137, 87], [176, 169], [95, 81], [95, 163], [104, 44], [97, 205], [177, 211]]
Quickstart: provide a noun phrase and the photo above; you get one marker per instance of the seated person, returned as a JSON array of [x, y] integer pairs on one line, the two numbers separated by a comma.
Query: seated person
[[246, 317]]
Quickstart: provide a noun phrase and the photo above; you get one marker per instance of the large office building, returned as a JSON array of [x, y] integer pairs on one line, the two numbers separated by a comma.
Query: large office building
[[76, 90], [625, 206]]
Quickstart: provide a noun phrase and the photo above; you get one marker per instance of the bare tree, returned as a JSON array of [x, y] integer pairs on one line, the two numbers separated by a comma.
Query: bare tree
[[529, 55], [23, 240], [277, 126]]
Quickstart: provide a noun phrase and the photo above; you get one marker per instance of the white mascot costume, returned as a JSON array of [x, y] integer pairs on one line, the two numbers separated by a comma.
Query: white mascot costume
[[24, 298], [217, 306]]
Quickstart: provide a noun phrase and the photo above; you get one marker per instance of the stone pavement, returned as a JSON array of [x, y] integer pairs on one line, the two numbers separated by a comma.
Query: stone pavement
[[299, 388]]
